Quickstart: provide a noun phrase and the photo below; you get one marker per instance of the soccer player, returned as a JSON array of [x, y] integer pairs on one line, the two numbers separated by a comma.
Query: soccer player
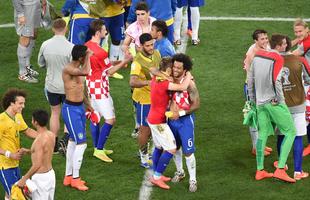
[[163, 138], [261, 42], [265, 89], [295, 72], [161, 10], [194, 19], [301, 31], [182, 122], [54, 54], [11, 125], [73, 114], [144, 63], [98, 88], [79, 20], [134, 30], [41, 172], [27, 20], [159, 33]]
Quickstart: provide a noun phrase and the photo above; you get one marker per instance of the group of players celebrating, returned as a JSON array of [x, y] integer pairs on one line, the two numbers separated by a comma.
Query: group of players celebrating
[[77, 87], [276, 89]]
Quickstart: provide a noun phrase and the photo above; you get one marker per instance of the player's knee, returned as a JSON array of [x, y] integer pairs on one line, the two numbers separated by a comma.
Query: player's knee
[[24, 41], [110, 121], [116, 42], [172, 151]]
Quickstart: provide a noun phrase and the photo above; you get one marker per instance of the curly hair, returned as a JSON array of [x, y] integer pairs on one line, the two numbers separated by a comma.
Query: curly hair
[[10, 97], [185, 59]]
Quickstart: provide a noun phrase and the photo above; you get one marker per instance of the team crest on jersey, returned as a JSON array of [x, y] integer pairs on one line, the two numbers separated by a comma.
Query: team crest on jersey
[[80, 136], [285, 75]]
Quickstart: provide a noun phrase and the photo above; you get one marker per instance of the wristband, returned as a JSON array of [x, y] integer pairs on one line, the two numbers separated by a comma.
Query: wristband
[[182, 113], [7, 154]]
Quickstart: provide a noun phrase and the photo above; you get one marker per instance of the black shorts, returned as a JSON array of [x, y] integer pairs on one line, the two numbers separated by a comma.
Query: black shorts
[[54, 99]]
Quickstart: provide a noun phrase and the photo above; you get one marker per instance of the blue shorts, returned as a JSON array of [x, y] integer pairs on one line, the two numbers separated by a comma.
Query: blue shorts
[[142, 111], [54, 99], [78, 33], [8, 177], [115, 26], [74, 118], [183, 131], [191, 3]]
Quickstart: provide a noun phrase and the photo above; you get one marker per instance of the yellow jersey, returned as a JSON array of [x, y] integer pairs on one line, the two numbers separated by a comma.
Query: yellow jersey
[[106, 8], [10, 129], [140, 67]]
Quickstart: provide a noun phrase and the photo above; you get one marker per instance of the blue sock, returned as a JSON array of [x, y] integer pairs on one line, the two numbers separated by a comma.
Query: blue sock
[[163, 162], [155, 157], [298, 148], [94, 129], [279, 143], [308, 133], [104, 134]]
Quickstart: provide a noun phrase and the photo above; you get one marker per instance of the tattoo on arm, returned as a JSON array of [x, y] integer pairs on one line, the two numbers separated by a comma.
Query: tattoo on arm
[[194, 96]]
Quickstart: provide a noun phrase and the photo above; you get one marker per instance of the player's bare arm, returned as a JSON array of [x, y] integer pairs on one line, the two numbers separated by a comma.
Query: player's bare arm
[[183, 86], [119, 65], [31, 133], [194, 96], [135, 82]]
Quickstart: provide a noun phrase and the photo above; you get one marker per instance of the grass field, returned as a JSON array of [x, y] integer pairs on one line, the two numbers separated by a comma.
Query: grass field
[[225, 167]]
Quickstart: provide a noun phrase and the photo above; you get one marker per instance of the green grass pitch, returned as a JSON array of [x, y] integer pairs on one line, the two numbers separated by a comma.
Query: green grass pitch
[[225, 167]]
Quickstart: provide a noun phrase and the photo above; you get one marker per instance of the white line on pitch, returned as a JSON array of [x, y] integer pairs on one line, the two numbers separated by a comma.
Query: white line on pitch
[[281, 19], [6, 25], [213, 18], [146, 186]]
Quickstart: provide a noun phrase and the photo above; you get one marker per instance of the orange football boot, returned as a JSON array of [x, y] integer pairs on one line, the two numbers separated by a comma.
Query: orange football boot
[[282, 175], [262, 174]]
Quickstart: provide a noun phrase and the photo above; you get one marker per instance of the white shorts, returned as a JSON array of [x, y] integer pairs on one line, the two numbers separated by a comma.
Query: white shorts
[[163, 136], [46, 185], [300, 123], [104, 106]]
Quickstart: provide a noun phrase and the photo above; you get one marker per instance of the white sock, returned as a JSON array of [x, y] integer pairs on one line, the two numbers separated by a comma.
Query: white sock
[[178, 160], [77, 159], [191, 167], [195, 19], [105, 43], [254, 136], [22, 57], [177, 23], [114, 52], [29, 51], [69, 157]]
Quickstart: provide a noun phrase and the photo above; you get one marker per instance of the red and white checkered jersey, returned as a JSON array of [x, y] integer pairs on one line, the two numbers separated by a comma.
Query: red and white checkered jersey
[[98, 88], [182, 100], [308, 106], [97, 80]]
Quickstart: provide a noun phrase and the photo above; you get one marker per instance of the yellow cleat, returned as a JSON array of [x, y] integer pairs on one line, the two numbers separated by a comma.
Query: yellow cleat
[[117, 76], [100, 154], [108, 151]]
